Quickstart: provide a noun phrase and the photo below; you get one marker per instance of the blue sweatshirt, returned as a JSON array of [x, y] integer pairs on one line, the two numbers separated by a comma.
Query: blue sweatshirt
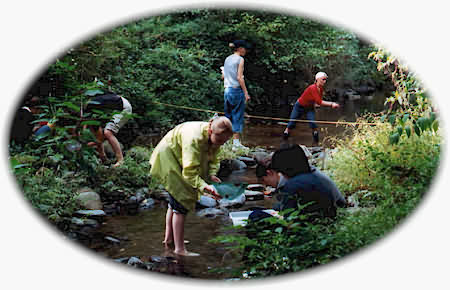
[[315, 187]]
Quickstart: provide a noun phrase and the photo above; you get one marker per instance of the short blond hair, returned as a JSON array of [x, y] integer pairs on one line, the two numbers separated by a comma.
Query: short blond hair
[[221, 125]]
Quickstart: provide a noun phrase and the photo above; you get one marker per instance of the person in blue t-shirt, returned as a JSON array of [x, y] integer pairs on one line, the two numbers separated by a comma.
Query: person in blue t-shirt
[[298, 183]]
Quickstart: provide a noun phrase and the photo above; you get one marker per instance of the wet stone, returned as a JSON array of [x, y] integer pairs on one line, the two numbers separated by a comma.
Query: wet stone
[[314, 150], [307, 152], [114, 196], [248, 161], [112, 240], [84, 222], [134, 261], [143, 191], [253, 195], [238, 165], [163, 195], [111, 209], [256, 187], [146, 204], [211, 212], [93, 214], [122, 260], [238, 201], [157, 259], [260, 155], [206, 201]]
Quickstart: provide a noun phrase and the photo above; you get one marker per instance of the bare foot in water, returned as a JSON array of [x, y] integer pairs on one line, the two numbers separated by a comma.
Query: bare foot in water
[[169, 243], [186, 253]]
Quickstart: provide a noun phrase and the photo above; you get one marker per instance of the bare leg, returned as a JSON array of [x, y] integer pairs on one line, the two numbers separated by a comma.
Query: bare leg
[[178, 235], [99, 144], [109, 135], [168, 238]]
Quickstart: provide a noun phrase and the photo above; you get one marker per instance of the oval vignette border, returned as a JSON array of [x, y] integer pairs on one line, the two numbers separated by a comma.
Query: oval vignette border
[[28, 228]]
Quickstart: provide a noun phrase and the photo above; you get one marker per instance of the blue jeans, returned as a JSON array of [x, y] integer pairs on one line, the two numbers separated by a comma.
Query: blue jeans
[[234, 107], [42, 130], [297, 113]]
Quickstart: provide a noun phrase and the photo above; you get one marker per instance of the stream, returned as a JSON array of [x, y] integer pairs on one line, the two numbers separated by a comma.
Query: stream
[[141, 235]]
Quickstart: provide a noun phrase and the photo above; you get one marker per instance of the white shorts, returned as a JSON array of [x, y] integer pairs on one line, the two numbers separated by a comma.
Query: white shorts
[[118, 120]]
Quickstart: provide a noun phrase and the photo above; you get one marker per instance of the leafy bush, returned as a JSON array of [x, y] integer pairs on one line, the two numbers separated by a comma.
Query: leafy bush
[[133, 174], [51, 192], [175, 58]]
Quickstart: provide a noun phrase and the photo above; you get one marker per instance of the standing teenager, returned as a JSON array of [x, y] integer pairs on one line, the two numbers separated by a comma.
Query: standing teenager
[[235, 94]]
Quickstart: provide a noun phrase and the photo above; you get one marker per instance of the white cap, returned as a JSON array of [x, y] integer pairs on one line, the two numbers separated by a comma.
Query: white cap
[[320, 75]]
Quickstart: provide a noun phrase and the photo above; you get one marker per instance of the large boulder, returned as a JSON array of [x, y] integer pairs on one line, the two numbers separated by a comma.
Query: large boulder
[[89, 200]]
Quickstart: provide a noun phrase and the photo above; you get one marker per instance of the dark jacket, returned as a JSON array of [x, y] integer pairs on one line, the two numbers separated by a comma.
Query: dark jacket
[[315, 188]]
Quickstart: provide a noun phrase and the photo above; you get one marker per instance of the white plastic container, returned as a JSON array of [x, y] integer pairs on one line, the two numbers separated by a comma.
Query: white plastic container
[[240, 217]]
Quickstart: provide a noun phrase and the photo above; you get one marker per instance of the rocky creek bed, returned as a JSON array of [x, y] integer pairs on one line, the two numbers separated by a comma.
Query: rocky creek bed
[[129, 229]]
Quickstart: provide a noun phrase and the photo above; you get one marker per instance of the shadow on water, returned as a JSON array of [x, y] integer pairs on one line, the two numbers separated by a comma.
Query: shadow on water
[[141, 235]]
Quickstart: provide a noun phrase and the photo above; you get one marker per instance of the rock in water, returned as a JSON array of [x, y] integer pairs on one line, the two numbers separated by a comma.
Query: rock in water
[[307, 152], [211, 212], [256, 187], [206, 201], [238, 201], [249, 161], [134, 261], [238, 164], [98, 215], [253, 195]]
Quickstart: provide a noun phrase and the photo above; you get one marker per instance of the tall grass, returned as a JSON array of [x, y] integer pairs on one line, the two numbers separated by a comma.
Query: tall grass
[[386, 183]]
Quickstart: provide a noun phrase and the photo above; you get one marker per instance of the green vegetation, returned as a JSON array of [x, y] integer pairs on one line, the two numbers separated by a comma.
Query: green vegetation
[[51, 180], [384, 168], [385, 180], [175, 59], [172, 58]]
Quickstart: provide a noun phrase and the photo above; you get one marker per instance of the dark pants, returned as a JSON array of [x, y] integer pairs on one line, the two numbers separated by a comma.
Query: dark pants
[[176, 206], [297, 113]]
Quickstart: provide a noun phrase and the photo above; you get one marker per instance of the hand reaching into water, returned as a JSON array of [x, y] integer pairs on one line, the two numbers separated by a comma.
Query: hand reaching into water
[[212, 191]]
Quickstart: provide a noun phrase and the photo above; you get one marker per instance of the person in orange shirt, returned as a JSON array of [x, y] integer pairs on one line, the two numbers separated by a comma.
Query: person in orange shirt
[[311, 97]]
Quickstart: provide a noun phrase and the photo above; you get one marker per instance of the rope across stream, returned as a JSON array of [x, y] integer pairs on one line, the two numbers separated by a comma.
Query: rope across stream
[[264, 117]]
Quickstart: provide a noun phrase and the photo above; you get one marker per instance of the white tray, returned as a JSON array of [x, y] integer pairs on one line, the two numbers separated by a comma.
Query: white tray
[[240, 217]]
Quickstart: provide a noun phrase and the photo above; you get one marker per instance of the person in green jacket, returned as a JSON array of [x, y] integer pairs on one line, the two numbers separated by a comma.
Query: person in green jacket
[[183, 161]]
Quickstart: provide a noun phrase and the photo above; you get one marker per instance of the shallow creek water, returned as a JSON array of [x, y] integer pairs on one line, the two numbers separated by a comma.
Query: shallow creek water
[[141, 235]]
